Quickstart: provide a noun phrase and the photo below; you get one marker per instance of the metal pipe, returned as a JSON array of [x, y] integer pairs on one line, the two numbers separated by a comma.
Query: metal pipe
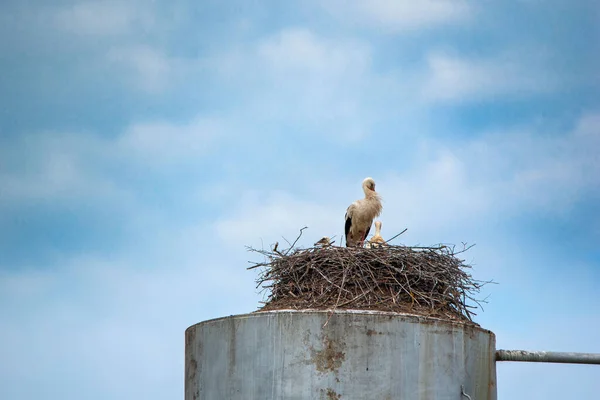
[[548, 357]]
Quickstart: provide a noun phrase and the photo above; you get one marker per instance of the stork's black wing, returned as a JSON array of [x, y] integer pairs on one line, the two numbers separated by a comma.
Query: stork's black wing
[[347, 228]]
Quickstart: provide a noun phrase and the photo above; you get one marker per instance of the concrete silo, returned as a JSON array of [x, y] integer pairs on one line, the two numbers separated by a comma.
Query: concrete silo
[[347, 355]]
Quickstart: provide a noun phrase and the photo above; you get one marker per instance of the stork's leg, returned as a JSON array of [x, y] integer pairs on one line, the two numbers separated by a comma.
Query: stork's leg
[[362, 241]]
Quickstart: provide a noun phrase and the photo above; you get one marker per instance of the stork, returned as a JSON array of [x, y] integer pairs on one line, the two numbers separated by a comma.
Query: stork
[[361, 213], [325, 241], [377, 240]]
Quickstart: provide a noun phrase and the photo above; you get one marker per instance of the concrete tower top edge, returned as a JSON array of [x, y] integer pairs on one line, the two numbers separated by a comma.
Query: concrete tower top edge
[[403, 316]]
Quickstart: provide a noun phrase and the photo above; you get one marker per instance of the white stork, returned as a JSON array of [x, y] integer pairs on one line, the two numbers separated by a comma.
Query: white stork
[[361, 213], [377, 240], [325, 241]]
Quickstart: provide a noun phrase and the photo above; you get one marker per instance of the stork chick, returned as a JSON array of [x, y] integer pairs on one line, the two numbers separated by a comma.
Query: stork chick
[[361, 213], [324, 242], [377, 240]]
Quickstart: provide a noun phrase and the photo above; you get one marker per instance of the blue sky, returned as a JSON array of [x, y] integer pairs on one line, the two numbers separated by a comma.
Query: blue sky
[[144, 144]]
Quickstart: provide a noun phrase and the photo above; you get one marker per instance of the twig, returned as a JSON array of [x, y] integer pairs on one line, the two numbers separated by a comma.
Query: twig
[[295, 241], [338, 299], [389, 240]]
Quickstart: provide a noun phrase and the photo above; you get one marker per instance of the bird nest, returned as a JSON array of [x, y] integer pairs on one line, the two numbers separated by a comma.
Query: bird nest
[[429, 281]]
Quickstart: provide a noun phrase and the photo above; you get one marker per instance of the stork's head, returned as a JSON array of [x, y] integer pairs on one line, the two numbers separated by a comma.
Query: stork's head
[[368, 185], [378, 225]]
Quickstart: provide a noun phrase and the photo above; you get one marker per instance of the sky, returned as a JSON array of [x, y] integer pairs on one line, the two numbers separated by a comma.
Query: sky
[[144, 144]]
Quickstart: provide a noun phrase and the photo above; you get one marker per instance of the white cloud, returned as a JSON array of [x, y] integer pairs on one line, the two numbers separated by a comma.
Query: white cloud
[[448, 185], [321, 81], [98, 318], [430, 200], [499, 172], [157, 143], [268, 217], [436, 194], [147, 67], [104, 18], [301, 51], [451, 79], [550, 171], [65, 167], [400, 15], [57, 167], [124, 39], [320, 84]]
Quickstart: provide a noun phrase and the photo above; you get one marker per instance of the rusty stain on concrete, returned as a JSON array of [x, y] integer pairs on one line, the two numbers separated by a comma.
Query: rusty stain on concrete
[[332, 395], [329, 359], [329, 394]]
